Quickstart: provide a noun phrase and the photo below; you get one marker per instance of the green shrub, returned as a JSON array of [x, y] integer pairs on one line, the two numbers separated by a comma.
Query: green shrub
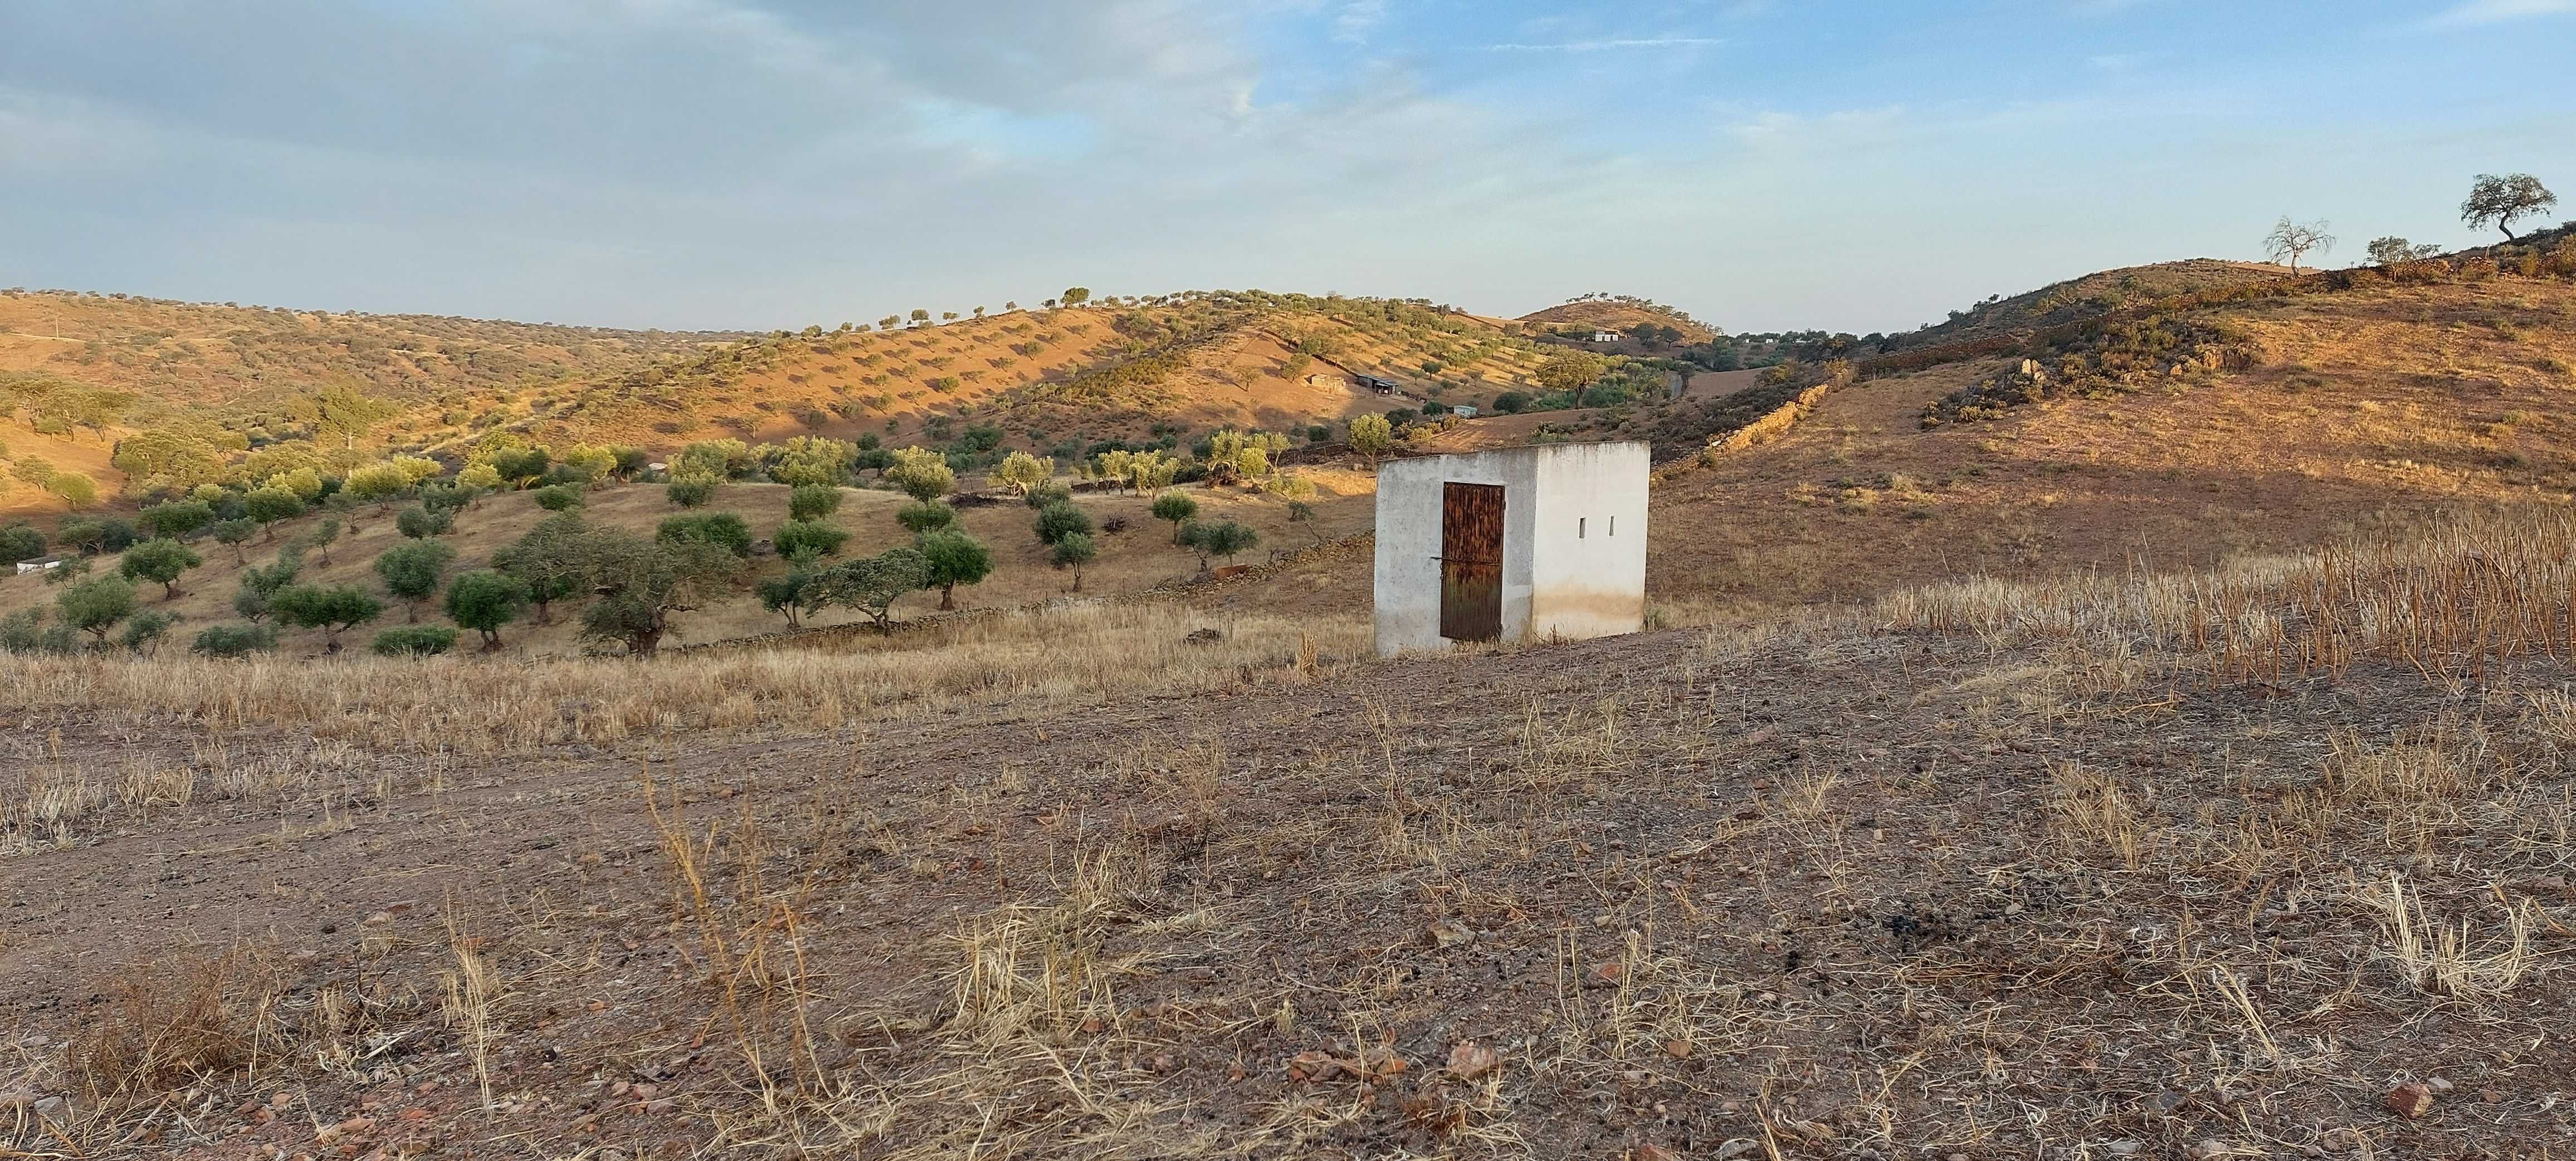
[[414, 641], [234, 641], [813, 501], [926, 516], [22, 631], [177, 518], [423, 523], [805, 540], [20, 542], [1061, 519], [691, 491], [557, 497], [719, 528], [143, 632]]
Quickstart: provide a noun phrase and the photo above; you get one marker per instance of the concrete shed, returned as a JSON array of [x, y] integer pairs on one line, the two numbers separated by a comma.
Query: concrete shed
[[1523, 544]]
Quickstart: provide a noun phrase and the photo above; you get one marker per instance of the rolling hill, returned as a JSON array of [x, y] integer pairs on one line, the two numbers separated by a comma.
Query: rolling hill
[[1621, 313], [173, 355]]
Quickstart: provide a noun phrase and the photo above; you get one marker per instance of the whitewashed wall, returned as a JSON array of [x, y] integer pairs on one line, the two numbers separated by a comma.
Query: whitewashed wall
[[1566, 572], [1588, 567]]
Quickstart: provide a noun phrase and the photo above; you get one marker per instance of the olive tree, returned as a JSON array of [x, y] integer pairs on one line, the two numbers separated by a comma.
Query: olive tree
[[1372, 436], [1220, 538], [233, 534], [2502, 201], [869, 584], [548, 560], [159, 561], [1020, 472], [923, 475], [1175, 509], [334, 609], [485, 600], [953, 558], [1074, 550], [412, 572], [95, 606], [643, 583]]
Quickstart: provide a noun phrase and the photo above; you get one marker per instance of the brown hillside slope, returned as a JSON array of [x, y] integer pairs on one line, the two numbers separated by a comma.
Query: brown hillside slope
[[2362, 407], [2091, 295], [1620, 315], [1246, 360], [206, 354]]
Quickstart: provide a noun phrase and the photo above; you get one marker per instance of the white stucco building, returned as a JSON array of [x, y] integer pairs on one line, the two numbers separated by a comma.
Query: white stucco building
[[1524, 544]]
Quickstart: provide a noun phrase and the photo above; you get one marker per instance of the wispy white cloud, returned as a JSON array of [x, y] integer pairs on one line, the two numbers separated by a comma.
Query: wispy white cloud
[[2498, 11], [1357, 19], [1608, 45]]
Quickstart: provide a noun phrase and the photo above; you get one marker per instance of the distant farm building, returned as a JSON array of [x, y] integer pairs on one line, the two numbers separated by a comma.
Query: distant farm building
[[1373, 383], [45, 565], [1605, 336], [1464, 411], [1523, 544]]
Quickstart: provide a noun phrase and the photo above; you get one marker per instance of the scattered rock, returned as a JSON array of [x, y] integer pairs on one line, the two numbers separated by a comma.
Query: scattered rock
[[2124, 1147], [1470, 1060], [2409, 1100], [2439, 1085], [2210, 1148], [1450, 933], [1677, 1049], [1738, 1147]]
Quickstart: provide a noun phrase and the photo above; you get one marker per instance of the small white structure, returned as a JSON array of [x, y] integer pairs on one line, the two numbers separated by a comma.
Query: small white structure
[[48, 564], [1524, 544], [1605, 336]]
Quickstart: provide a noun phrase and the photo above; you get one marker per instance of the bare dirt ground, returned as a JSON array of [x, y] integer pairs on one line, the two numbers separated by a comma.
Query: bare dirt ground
[[1816, 892]]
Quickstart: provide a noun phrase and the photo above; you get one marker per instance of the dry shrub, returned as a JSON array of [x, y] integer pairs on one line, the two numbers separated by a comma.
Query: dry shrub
[[173, 1019], [483, 706], [2450, 601]]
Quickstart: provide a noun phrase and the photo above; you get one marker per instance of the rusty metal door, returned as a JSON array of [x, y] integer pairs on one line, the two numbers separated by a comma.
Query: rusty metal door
[[1471, 562]]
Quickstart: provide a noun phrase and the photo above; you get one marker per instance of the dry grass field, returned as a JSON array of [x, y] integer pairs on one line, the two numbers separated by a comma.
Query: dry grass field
[[2268, 861]]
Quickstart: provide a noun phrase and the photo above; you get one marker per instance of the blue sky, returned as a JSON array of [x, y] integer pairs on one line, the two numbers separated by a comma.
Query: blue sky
[[771, 163]]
